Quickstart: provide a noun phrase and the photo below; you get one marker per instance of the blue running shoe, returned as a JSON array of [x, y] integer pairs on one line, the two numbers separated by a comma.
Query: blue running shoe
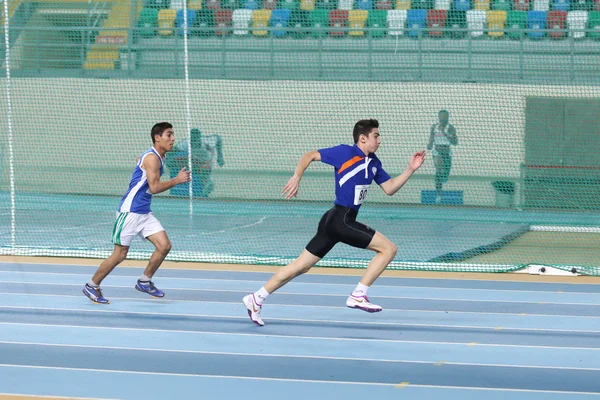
[[148, 287], [94, 294]]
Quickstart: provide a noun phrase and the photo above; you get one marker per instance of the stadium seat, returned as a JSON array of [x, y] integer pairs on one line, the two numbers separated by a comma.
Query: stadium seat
[[456, 20], [319, 19], [443, 5], [396, 19], [582, 5], [562, 5], [364, 4], [541, 5], [195, 5], [260, 20], [270, 4], [536, 22], [422, 4], [596, 5], [594, 25], [386, 4], [338, 19], [416, 21], [157, 4], [403, 5], [233, 4], [191, 17], [377, 21], [213, 4], [516, 23], [326, 4], [476, 22], [177, 5], [577, 23], [166, 22], [557, 20], [299, 20], [280, 19], [308, 5], [204, 21], [251, 4], [462, 5], [436, 20], [147, 22], [289, 4], [345, 5], [241, 21], [502, 5], [223, 20], [357, 20], [496, 21], [482, 5], [521, 5]]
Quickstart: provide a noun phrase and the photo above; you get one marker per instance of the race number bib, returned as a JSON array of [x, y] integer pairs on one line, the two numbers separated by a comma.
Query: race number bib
[[360, 194]]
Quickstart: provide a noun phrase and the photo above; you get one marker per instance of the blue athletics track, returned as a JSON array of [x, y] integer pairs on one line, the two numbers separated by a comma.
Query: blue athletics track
[[440, 336]]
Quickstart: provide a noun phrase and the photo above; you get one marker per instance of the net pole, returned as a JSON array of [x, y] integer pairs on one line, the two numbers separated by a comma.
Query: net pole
[[13, 227], [188, 116]]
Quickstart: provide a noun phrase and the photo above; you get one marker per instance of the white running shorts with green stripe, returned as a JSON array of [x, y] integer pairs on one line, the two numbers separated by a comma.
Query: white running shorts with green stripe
[[129, 224]]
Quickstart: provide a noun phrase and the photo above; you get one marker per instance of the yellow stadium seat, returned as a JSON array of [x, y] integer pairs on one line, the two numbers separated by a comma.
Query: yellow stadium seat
[[166, 22], [356, 20], [402, 4], [496, 22], [307, 5], [481, 5], [195, 4], [260, 19]]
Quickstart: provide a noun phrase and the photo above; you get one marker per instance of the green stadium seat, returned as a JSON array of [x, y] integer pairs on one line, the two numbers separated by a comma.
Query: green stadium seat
[[158, 4], [594, 25], [203, 22], [147, 22], [516, 20], [327, 4], [319, 19], [377, 19], [230, 4], [289, 4], [299, 19], [502, 5], [456, 20]]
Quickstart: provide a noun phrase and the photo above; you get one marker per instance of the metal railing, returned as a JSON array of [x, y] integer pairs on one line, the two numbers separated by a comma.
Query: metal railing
[[460, 54]]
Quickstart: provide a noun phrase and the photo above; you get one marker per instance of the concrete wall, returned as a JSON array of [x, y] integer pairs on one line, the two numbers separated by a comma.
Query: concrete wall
[[83, 135]]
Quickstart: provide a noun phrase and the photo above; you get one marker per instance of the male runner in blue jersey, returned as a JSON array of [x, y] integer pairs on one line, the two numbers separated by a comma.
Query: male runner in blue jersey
[[134, 217], [355, 168]]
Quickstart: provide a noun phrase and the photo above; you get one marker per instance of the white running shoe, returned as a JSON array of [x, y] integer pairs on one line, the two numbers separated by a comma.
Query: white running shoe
[[362, 303], [253, 309]]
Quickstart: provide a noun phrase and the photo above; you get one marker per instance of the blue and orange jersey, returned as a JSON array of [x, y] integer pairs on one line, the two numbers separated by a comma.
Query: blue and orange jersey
[[354, 172]]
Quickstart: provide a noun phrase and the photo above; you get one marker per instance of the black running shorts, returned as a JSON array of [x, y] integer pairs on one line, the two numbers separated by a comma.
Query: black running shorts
[[339, 225]]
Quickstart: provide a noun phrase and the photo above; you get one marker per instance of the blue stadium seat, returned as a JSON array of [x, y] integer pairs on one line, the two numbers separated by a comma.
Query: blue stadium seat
[[561, 5], [416, 19], [536, 22], [462, 5], [364, 4], [251, 4], [191, 16], [280, 19]]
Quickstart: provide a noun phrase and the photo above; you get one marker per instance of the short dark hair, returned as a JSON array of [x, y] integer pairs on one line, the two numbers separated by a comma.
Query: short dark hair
[[364, 127], [159, 129], [443, 112]]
